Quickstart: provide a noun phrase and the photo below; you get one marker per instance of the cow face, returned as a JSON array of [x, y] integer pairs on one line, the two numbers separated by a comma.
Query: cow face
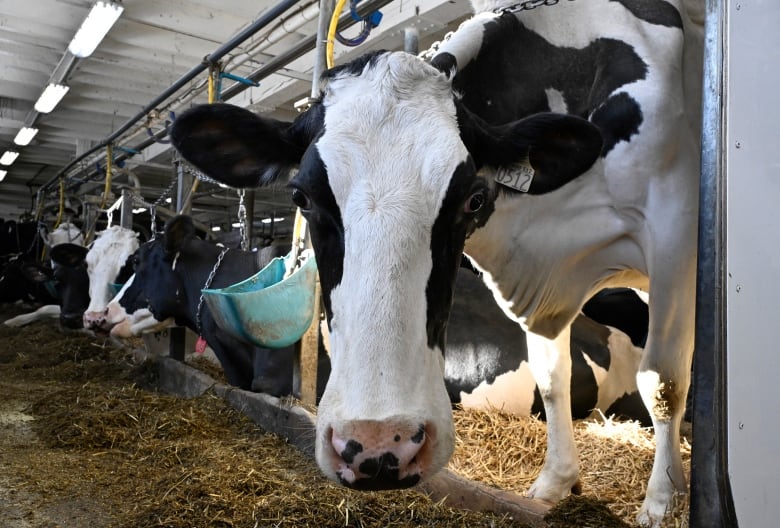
[[388, 182], [108, 254], [69, 272]]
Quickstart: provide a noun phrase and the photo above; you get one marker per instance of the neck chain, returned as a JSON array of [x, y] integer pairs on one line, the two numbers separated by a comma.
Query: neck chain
[[206, 286]]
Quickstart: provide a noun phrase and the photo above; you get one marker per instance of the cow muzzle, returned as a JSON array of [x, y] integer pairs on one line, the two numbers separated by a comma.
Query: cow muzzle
[[97, 321], [376, 455]]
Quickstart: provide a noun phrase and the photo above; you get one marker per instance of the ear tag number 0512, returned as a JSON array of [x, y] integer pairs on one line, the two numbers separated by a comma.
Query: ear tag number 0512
[[518, 176]]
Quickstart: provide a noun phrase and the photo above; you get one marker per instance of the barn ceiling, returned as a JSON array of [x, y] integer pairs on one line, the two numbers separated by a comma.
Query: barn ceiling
[[152, 46]]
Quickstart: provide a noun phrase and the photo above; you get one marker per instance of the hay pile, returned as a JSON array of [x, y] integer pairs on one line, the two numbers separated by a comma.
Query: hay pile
[[131, 457], [106, 452], [616, 459]]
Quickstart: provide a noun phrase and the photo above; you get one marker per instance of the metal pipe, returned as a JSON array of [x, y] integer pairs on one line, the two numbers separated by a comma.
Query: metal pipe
[[265, 19], [298, 50], [712, 504]]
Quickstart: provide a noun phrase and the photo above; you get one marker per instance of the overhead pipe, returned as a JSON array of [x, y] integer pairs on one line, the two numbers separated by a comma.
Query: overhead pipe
[[296, 51], [265, 19]]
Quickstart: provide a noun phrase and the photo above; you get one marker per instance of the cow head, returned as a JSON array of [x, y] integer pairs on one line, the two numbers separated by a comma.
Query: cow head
[[69, 272], [108, 254], [388, 181], [154, 297]]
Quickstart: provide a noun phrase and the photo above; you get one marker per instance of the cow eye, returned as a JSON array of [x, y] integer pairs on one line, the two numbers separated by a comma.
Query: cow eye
[[300, 199], [475, 202]]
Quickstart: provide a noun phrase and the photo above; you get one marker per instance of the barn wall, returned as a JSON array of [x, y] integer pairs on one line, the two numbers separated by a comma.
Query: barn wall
[[752, 150]]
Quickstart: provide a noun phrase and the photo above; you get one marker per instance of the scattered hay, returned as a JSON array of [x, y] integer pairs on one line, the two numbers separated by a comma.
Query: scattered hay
[[616, 458], [134, 458], [147, 459]]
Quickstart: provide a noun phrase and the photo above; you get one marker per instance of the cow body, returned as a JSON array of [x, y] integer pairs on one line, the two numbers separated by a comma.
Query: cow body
[[486, 360], [560, 168]]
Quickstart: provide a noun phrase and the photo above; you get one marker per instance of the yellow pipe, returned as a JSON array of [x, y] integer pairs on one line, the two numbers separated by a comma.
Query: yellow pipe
[[109, 167], [62, 203], [211, 89], [334, 22]]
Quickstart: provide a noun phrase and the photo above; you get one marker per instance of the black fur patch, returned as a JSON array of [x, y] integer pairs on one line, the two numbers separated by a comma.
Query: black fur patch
[[656, 12], [585, 77]]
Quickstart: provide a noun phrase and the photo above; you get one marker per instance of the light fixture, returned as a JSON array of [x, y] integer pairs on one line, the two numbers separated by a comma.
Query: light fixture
[[25, 135], [269, 220], [2, 174], [94, 28], [50, 97], [8, 157], [168, 200], [216, 228], [138, 210], [236, 224]]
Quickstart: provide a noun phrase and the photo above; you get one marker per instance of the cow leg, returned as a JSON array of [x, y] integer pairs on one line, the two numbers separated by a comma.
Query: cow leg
[[550, 363], [663, 379], [44, 312]]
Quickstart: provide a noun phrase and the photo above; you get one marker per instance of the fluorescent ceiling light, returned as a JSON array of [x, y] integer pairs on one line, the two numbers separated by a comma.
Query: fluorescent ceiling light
[[139, 210], [269, 220], [2, 174], [94, 28], [168, 200], [25, 135], [8, 157], [236, 224], [216, 228], [50, 97]]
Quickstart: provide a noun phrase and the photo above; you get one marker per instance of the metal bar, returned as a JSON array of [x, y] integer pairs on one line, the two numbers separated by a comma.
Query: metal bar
[[298, 50], [712, 505], [265, 19]]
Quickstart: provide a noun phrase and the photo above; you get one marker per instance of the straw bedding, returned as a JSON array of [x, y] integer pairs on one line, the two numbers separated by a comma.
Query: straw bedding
[[99, 449]]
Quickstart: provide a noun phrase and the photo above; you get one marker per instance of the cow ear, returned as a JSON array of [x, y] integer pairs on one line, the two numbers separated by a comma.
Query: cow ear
[[239, 148], [178, 231], [70, 255], [558, 147]]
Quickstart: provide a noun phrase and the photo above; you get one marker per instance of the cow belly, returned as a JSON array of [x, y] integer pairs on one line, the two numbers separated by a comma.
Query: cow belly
[[511, 392]]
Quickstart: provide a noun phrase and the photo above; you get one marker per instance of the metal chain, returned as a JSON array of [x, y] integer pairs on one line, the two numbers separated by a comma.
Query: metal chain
[[527, 5], [242, 220], [206, 286]]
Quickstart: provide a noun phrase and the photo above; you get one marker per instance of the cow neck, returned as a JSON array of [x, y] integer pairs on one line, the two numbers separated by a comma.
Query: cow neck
[[206, 286]]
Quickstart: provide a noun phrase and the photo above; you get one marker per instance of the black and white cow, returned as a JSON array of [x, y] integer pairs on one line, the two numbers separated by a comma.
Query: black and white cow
[[559, 148], [67, 278], [170, 272], [486, 361], [60, 284], [106, 258]]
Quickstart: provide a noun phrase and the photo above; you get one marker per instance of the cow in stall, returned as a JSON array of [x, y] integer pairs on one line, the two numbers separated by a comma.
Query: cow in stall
[[559, 148], [60, 284], [170, 271], [83, 278], [486, 364], [107, 263]]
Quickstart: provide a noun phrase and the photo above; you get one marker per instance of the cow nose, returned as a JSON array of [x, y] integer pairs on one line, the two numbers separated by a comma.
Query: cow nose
[[375, 455], [95, 319]]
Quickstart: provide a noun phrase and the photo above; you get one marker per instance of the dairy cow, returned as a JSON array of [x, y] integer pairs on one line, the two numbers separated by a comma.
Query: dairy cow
[[170, 271], [106, 258], [486, 360], [558, 147]]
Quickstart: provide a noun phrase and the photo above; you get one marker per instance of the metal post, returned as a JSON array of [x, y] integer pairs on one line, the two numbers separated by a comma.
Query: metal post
[[323, 21], [411, 40], [249, 204], [126, 218], [183, 186]]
